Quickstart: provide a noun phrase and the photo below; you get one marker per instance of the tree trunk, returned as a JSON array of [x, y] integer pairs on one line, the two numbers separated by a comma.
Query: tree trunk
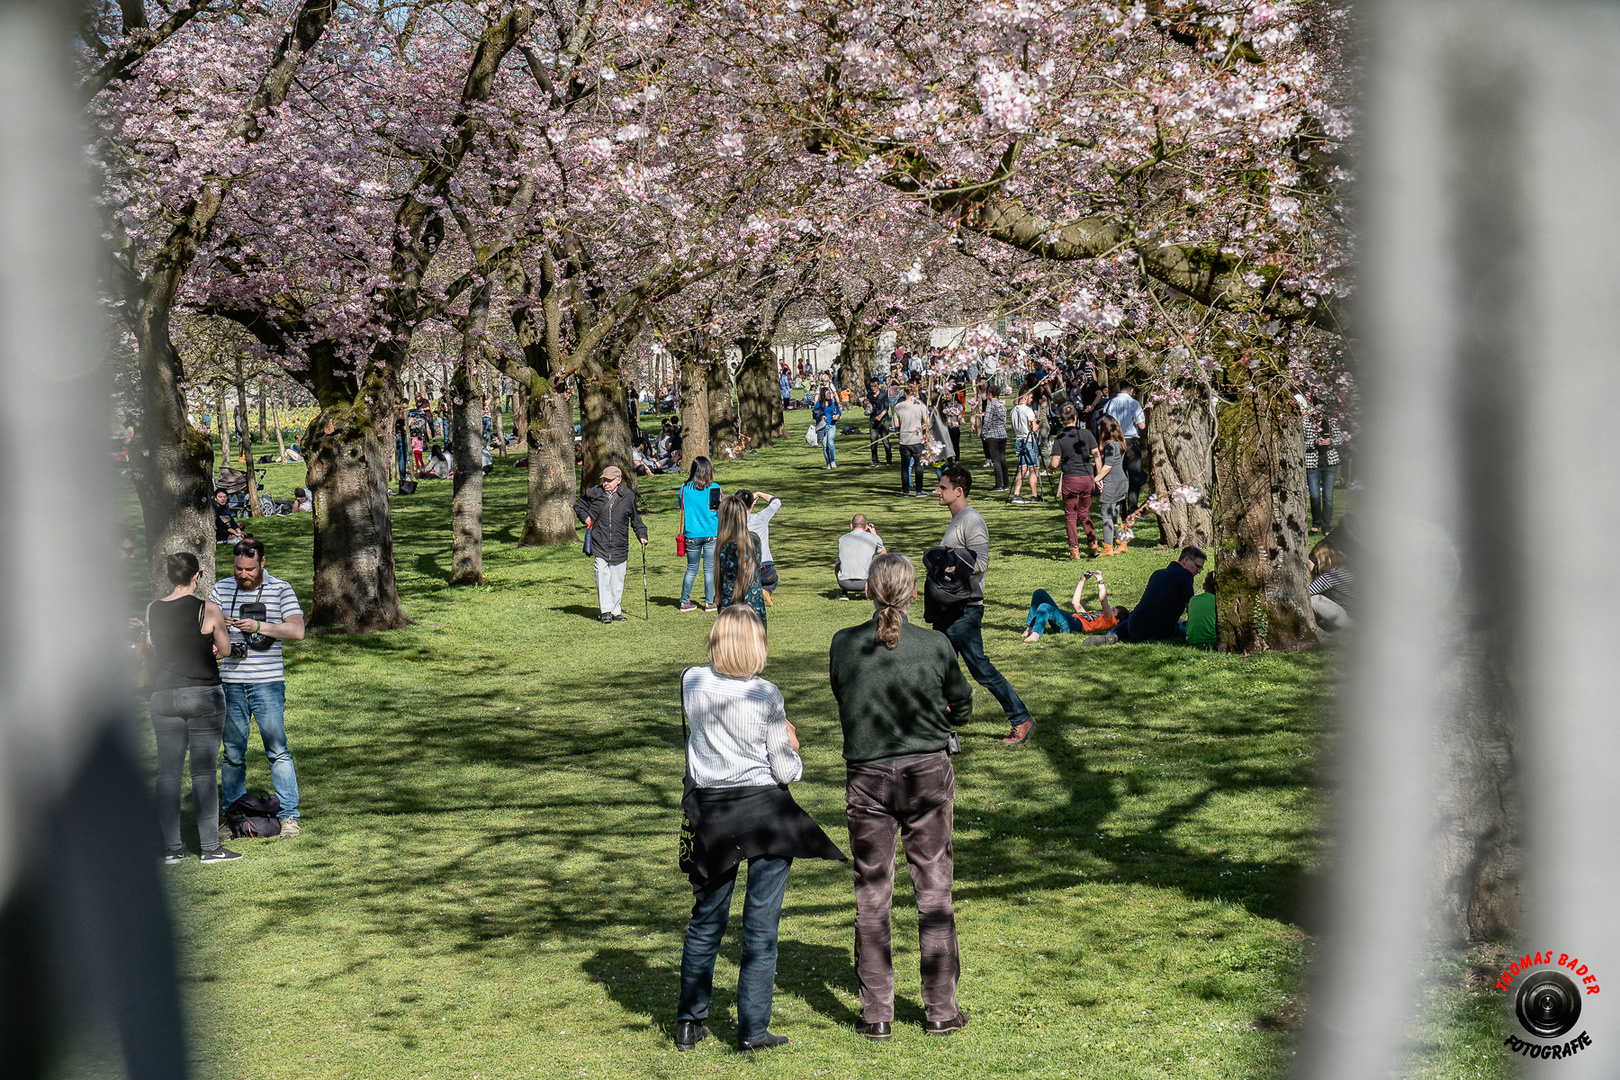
[[854, 365], [694, 404], [467, 498], [1180, 446], [173, 477], [1260, 518], [221, 423], [281, 445], [545, 419], [604, 416], [354, 538], [264, 422], [722, 412], [759, 395], [246, 436], [520, 414], [498, 414]]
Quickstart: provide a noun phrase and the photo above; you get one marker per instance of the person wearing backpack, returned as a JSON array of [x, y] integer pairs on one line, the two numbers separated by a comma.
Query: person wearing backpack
[[609, 513], [185, 634]]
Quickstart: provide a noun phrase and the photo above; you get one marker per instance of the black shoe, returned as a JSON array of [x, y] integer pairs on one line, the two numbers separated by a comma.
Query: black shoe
[[607, 618], [946, 1027], [764, 1042], [688, 1033], [174, 858], [621, 618], [876, 1031], [219, 855]]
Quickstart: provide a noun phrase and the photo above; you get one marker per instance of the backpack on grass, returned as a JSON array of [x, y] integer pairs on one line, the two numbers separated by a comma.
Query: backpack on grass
[[254, 816]]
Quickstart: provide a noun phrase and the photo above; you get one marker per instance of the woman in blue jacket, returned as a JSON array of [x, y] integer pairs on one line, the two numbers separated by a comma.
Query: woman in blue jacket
[[700, 521], [827, 410]]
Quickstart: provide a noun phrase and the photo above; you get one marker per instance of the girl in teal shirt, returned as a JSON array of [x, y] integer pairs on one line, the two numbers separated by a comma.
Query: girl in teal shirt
[[700, 521]]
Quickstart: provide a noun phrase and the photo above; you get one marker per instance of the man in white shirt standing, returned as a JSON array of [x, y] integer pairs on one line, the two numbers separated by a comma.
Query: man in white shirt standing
[[1026, 433], [262, 611], [1124, 407]]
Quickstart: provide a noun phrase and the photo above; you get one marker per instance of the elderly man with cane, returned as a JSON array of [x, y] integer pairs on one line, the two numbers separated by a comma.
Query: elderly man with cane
[[609, 513]]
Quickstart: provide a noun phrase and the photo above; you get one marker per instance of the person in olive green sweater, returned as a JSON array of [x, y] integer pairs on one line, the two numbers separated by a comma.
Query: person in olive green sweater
[[900, 691]]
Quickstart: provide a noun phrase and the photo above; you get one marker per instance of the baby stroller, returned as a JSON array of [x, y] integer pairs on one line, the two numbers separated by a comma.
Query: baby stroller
[[234, 483]]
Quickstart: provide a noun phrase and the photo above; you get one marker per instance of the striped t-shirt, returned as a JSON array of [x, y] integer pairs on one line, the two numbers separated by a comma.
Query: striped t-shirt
[[279, 602]]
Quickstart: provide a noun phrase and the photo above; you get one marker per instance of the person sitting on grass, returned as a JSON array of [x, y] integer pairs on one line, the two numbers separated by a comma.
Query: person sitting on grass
[[1157, 616], [1333, 586], [226, 530], [856, 550], [1201, 616], [1044, 612]]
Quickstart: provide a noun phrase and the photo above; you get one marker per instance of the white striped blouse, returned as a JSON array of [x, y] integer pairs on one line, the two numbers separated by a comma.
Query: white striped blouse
[[739, 731]]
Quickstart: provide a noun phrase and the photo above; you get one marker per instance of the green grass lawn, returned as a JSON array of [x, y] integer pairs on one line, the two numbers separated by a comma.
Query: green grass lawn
[[486, 884]]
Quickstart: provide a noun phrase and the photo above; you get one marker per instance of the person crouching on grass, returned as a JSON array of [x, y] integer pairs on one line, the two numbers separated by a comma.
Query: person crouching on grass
[[741, 755], [900, 693]]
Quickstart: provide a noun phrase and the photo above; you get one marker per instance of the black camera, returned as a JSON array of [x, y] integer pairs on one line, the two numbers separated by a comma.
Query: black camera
[[256, 642]]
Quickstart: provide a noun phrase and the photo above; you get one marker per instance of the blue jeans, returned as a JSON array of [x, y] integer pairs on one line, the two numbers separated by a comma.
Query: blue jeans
[[1320, 484], [756, 978], [267, 703], [1043, 610], [828, 450], [699, 548], [965, 632]]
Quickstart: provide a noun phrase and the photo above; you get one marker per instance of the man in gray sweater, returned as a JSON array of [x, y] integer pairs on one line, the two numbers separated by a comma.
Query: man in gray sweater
[[963, 622]]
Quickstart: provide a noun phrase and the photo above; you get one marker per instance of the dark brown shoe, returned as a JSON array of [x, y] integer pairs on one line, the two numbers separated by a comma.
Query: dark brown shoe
[[946, 1027], [877, 1030], [1019, 733]]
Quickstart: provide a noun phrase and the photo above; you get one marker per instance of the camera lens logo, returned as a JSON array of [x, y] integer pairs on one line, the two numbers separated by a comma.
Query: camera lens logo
[[1548, 1004]]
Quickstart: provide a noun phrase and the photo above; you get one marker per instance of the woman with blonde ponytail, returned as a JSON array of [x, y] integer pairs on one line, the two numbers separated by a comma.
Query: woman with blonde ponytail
[[900, 694]]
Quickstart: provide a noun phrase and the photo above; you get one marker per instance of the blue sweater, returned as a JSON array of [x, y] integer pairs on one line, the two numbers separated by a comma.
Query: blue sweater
[[699, 520]]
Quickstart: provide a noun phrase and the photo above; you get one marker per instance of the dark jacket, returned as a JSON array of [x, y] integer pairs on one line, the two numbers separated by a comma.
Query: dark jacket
[[611, 521], [1155, 616], [892, 702]]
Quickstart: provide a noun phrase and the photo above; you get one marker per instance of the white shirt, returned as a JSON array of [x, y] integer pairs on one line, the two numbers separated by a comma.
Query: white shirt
[[739, 731], [1128, 411], [1023, 421]]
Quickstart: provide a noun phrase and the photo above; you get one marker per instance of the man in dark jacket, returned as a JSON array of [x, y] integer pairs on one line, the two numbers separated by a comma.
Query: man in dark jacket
[[609, 513], [1157, 615]]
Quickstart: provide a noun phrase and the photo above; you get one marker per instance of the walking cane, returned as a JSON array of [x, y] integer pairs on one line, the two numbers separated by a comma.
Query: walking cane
[[646, 611]]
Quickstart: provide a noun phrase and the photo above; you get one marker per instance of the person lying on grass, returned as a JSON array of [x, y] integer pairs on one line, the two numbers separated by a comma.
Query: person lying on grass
[[1044, 612]]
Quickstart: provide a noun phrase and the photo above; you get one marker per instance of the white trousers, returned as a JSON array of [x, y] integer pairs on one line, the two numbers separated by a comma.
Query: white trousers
[[609, 585]]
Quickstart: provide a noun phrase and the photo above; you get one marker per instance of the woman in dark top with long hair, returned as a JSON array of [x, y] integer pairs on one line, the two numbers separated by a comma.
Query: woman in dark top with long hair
[[738, 556], [187, 634]]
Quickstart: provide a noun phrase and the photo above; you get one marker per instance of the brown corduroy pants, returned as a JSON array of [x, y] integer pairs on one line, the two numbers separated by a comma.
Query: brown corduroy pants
[[916, 798]]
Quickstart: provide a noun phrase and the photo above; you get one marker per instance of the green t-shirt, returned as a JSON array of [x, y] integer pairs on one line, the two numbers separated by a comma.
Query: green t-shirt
[[1201, 619]]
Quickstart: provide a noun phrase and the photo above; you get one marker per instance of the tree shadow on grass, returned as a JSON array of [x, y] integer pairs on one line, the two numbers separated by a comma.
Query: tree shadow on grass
[[814, 973]]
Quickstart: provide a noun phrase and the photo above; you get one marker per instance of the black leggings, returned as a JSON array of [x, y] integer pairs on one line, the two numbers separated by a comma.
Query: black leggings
[[191, 717], [996, 451]]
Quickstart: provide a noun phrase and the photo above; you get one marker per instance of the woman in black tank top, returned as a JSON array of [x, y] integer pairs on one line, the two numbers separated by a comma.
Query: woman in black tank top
[[188, 707]]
